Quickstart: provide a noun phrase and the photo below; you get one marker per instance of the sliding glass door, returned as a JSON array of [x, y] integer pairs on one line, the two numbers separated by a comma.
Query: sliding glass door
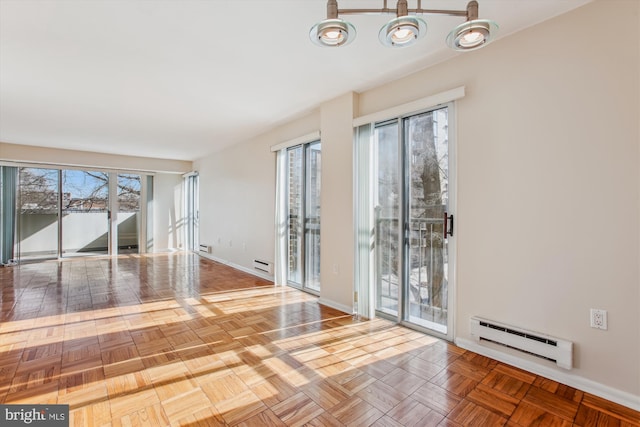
[[128, 220], [303, 207], [312, 217], [64, 212], [192, 216], [295, 223], [426, 204], [8, 213], [412, 220], [85, 206], [387, 219], [38, 213]]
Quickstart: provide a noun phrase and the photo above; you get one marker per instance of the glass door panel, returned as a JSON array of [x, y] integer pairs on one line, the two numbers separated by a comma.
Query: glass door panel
[[410, 184], [38, 201], [304, 165], [426, 174], [128, 224], [85, 206], [192, 215], [66, 213], [387, 218], [295, 211], [312, 216]]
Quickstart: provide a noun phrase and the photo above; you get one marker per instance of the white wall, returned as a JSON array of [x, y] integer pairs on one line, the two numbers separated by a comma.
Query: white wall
[[547, 163], [237, 196], [547, 166], [638, 177], [87, 159], [336, 221], [548, 190], [168, 213]]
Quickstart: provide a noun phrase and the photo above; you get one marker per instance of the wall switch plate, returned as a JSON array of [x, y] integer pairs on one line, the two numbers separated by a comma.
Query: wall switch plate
[[599, 319]]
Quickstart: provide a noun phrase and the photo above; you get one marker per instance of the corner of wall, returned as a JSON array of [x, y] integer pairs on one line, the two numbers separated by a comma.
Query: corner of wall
[[337, 258]]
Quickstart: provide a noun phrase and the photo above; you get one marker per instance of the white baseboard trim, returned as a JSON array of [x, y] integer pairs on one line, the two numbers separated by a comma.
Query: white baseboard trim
[[237, 266], [618, 396], [340, 307]]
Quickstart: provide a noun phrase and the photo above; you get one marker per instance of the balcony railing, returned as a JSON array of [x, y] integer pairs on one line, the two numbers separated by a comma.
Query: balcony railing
[[426, 261]]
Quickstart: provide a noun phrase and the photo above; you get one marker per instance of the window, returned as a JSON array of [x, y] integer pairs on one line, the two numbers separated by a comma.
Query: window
[[69, 212], [192, 215], [303, 184], [403, 214]]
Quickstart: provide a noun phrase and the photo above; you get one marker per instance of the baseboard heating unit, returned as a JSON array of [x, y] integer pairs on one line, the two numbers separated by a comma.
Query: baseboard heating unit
[[205, 249], [547, 347], [264, 266]]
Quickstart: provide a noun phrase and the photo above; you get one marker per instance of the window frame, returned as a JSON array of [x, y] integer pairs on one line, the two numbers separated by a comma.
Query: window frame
[[301, 252]]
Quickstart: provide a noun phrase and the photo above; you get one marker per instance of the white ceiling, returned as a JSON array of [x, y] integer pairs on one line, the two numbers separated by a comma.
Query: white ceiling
[[179, 79]]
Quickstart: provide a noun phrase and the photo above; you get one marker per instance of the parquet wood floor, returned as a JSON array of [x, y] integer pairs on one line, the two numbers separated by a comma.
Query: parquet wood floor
[[176, 340]]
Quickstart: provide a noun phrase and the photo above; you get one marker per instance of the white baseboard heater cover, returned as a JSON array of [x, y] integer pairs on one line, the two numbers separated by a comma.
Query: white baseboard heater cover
[[541, 345], [264, 266]]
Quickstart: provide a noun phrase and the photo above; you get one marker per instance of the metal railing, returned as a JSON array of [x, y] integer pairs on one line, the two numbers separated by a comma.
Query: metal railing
[[426, 258]]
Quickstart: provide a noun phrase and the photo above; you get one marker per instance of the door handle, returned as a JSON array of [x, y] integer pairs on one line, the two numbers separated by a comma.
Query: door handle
[[448, 230], [406, 234]]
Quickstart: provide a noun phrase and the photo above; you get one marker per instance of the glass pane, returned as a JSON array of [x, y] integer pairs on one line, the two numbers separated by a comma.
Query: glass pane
[[85, 223], [38, 213], [427, 158], [312, 220], [294, 199], [149, 214], [191, 195], [8, 203], [128, 213], [387, 218]]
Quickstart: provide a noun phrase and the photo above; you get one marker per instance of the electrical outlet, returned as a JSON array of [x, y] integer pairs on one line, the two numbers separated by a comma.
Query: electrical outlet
[[599, 319]]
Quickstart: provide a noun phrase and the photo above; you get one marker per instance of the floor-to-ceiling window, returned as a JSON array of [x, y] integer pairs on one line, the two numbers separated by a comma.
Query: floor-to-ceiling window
[[426, 194], [8, 205], [405, 202], [192, 209], [303, 164], [71, 212], [85, 207], [387, 190], [38, 201], [129, 188]]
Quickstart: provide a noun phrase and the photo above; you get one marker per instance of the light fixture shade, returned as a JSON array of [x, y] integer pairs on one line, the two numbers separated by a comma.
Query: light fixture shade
[[332, 33], [472, 35], [402, 31]]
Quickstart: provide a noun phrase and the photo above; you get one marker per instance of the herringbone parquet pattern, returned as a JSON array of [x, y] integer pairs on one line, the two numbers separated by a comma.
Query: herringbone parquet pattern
[[173, 339]]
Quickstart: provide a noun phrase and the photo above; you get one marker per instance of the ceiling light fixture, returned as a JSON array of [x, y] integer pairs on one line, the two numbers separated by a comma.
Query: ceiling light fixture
[[473, 34], [333, 31], [405, 30]]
